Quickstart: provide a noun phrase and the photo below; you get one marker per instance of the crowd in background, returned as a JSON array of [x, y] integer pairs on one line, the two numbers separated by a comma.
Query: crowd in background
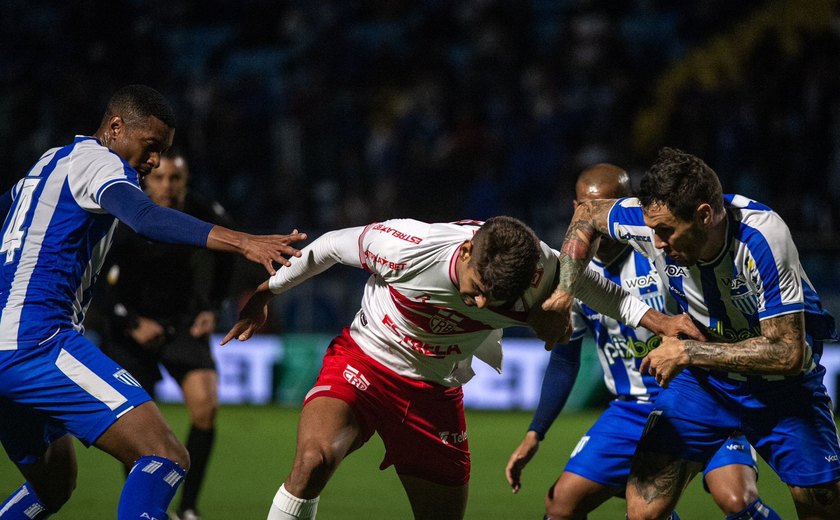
[[319, 115]]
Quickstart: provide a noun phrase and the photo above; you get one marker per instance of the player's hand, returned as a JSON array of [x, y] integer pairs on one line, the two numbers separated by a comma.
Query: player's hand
[[148, 333], [267, 249], [251, 318], [552, 322], [203, 325], [520, 458], [679, 326], [665, 361]]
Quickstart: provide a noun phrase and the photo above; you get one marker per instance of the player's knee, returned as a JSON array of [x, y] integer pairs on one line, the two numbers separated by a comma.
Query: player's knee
[[560, 506], [315, 463], [734, 501], [204, 415], [173, 450]]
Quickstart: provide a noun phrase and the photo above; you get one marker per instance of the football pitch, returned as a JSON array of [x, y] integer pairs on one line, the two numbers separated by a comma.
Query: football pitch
[[255, 445]]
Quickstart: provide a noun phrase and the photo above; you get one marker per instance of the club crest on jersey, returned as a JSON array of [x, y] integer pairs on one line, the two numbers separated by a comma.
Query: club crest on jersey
[[444, 322], [124, 377], [355, 378]]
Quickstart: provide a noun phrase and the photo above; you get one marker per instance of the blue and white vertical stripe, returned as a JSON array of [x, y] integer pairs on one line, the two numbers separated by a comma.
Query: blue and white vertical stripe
[[54, 241]]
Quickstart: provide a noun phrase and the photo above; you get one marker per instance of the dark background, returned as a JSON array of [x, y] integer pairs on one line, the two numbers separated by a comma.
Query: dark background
[[323, 114]]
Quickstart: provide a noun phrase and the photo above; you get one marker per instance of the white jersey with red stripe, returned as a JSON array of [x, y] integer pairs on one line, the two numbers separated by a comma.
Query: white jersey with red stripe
[[413, 319]]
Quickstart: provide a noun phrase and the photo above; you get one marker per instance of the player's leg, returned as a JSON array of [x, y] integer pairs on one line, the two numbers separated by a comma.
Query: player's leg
[[431, 501], [50, 480], [731, 478], [327, 432], [573, 497], [819, 502], [142, 439], [200, 389], [656, 483]]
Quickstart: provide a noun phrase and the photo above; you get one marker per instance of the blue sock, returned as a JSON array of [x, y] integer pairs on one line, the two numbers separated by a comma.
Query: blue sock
[[758, 510], [149, 488], [24, 504], [674, 516]]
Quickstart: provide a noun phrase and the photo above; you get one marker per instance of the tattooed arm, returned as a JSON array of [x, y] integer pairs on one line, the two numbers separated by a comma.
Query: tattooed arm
[[780, 350], [590, 218]]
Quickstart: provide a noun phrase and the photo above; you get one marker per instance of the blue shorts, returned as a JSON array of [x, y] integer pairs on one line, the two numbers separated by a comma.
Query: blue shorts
[[66, 385], [604, 454], [789, 422]]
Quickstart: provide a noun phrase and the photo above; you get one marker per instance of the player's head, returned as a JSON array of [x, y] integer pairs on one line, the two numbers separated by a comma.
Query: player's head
[[499, 263], [138, 125], [682, 200], [603, 181], [166, 185]]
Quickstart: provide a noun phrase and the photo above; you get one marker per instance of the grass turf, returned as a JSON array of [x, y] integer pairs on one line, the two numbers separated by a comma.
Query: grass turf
[[255, 446]]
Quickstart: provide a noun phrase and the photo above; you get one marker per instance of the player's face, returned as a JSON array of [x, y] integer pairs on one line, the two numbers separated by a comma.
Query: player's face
[[166, 185], [471, 288], [682, 240], [142, 143]]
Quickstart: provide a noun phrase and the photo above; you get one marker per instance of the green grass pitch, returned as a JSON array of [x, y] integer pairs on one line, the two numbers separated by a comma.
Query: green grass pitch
[[255, 446]]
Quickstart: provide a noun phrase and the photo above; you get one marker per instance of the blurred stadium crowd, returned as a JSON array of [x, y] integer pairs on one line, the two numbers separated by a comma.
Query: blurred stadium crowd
[[323, 114]]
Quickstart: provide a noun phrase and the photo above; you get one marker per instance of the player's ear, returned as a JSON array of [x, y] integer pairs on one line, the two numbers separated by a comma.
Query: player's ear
[[704, 213], [116, 125], [465, 251]]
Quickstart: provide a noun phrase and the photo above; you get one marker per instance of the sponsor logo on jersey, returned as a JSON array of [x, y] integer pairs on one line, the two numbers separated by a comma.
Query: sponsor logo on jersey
[[452, 437], [676, 271], [640, 282], [356, 378], [735, 446], [396, 233], [626, 235], [728, 335], [376, 259], [831, 458], [124, 377]]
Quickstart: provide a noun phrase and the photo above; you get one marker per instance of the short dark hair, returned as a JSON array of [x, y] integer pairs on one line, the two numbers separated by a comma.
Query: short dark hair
[[506, 255], [135, 103], [681, 182]]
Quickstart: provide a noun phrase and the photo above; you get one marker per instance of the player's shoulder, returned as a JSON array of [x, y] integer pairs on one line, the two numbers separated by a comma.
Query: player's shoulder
[[753, 214]]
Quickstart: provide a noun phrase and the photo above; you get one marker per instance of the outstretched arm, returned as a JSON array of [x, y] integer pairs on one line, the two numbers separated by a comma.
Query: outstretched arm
[[135, 209], [559, 378], [335, 247]]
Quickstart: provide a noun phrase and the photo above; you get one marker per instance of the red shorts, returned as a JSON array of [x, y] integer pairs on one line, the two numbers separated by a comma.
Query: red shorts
[[421, 424]]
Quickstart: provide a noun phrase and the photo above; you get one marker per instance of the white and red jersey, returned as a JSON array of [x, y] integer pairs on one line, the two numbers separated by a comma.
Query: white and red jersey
[[413, 319]]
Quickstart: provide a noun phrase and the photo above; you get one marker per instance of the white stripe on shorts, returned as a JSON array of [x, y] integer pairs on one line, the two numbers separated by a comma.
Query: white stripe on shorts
[[89, 381]]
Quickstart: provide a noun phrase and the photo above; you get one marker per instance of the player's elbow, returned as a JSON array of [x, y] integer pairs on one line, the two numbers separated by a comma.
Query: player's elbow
[[792, 364]]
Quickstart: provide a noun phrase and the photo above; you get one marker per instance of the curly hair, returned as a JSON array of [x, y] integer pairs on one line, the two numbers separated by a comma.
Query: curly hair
[[506, 253], [135, 103], [681, 182]]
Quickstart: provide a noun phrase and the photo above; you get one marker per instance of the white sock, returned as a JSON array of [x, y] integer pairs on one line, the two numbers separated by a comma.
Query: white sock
[[286, 506]]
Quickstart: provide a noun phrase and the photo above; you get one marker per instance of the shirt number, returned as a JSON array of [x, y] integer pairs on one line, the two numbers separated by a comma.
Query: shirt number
[[13, 237]]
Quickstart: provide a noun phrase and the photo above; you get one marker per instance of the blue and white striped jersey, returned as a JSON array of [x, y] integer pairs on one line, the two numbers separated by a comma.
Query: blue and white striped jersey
[[620, 347], [55, 239], [756, 276]]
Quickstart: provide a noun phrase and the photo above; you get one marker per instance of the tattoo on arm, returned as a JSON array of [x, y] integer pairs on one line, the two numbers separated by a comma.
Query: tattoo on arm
[[579, 244], [781, 349]]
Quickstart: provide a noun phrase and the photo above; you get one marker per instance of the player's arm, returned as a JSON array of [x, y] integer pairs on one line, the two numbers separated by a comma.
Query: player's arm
[[335, 247], [781, 349], [134, 208], [558, 380], [590, 219]]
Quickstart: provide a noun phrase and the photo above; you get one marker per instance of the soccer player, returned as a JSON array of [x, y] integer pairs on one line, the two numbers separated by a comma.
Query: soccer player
[[53, 382], [162, 310], [437, 295], [600, 463], [731, 263]]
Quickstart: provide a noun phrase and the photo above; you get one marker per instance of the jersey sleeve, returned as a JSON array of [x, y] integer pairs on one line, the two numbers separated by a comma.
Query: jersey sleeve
[[334, 247], [627, 225], [772, 266], [94, 169]]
